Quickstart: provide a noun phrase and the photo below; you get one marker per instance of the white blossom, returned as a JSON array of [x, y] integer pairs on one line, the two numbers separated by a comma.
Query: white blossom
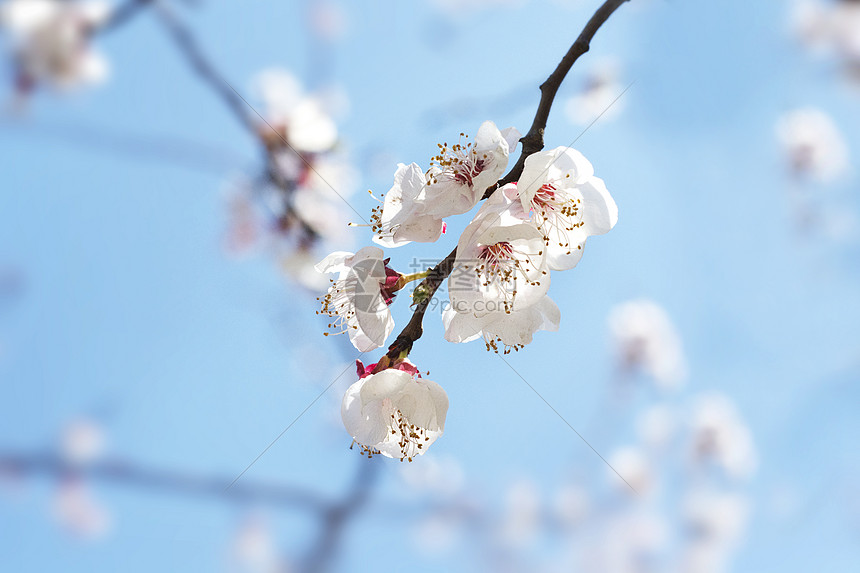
[[395, 413], [254, 549], [499, 280], [358, 300], [720, 437], [321, 185], [500, 264], [51, 41], [832, 28], [460, 173], [559, 193], [328, 20], [299, 119], [812, 144], [646, 339], [82, 441], [402, 218], [513, 330], [715, 523], [327, 216], [634, 466], [332, 176]]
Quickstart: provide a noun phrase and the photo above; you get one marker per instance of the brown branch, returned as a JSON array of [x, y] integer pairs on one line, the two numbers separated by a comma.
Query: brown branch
[[425, 290], [532, 142]]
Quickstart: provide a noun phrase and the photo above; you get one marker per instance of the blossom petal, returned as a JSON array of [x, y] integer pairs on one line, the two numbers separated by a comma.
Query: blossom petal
[[600, 213], [333, 263], [403, 218], [460, 326], [512, 137], [23, 16], [514, 329], [310, 129]]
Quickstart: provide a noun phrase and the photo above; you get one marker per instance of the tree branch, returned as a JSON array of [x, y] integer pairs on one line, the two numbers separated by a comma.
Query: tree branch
[[426, 289], [334, 514], [532, 143], [168, 149], [127, 473], [205, 70]]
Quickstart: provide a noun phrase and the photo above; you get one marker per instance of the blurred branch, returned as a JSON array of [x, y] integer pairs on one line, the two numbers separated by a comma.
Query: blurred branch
[[337, 517], [202, 66], [177, 151], [130, 474], [532, 143], [238, 106]]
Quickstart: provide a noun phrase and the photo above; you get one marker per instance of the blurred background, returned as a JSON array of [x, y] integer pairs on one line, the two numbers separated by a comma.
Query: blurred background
[[157, 293]]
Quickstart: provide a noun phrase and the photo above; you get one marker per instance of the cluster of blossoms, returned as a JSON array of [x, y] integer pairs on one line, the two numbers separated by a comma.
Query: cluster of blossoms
[[51, 42], [719, 457], [299, 203], [697, 523], [817, 158], [500, 272]]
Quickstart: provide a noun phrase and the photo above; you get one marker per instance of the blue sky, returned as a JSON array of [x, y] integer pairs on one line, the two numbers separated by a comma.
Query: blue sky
[[133, 313]]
